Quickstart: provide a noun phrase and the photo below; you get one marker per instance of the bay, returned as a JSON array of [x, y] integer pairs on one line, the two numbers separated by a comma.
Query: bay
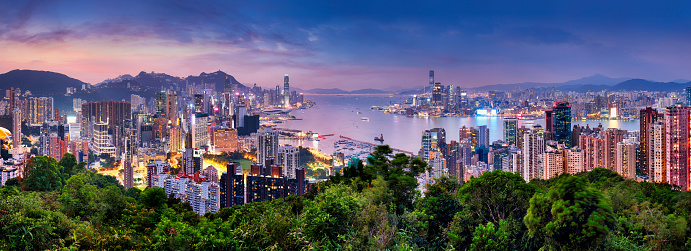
[[338, 115]]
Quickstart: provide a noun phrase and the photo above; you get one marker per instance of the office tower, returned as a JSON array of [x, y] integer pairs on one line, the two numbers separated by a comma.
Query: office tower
[[562, 123], [549, 124], [227, 87], [226, 140], [483, 136], [647, 117], [431, 82], [111, 112], [626, 159], [657, 152], [232, 186], [677, 127], [200, 130], [101, 140], [553, 163], [432, 140], [198, 103], [470, 134], [16, 128], [227, 105], [289, 159], [575, 160], [192, 161], [437, 95], [161, 103], [533, 147], [267, 145], [688, 96], [172, 108], [286, 92], [510, 130]]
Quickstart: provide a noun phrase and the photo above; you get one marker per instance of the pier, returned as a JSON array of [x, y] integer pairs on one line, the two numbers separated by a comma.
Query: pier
[[373, 144]]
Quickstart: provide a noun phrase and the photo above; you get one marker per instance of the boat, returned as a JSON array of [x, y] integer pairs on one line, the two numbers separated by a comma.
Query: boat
[[380, 138], [364, 119]]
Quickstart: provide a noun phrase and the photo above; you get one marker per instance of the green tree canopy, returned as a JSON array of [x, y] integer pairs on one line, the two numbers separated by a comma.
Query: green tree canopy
[[43, 174], [571, 215]]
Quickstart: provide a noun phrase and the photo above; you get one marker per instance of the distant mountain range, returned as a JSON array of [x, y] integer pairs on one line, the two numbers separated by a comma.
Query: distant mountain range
[[44, 83]]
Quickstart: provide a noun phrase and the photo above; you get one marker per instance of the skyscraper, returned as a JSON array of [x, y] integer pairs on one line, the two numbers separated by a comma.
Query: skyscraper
[[289, 160], [688, 96], [432, 140], [626, 159], [267, 145], [227, 87], [533, 148], [16, 127], [200, 130], [161, 103], [647, 117], [437, 95], [431, 81], [483, 136], [172, 108], [657, 152], [562, 123], [286, 91], [677, 127], [510, 130]]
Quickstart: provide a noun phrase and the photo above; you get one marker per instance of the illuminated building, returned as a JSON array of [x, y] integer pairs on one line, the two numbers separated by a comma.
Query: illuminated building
[[483, 136], [267, 145], [101, 140], [431, 82], [553, 163], [226, 140], [562, 123], [172, 108], [657, 152], [38, 110], [211, 174], [533, 147], [160, 103], [16, 128], [200, 130], [647, 117], [437, 96], [232, 186], [111, 112], [286, 91], [626, 159], [202, 195], [510, 130], [289, 159], [677, 154], [575, 160], [611, 137]]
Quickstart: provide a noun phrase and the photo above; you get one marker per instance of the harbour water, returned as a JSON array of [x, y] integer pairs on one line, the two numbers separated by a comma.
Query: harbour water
[[351, 116]]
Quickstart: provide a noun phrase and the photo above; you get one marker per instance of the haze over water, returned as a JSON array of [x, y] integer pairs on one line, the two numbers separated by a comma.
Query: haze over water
[[338, 115]]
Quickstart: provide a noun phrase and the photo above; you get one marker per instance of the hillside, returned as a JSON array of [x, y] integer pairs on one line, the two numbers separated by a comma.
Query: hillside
[[40, 83]]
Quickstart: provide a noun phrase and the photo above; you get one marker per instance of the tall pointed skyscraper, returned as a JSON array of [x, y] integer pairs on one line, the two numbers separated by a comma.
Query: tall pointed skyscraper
[[286, 91], [431, 81]]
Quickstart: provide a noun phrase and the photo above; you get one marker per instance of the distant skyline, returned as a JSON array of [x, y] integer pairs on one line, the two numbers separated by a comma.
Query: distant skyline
[[351, 44]]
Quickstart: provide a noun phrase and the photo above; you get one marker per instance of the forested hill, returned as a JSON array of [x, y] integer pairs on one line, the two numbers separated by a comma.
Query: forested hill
[[60, 205]]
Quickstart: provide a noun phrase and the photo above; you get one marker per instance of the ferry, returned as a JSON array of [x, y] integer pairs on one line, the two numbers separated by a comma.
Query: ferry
[[364, 119], [380, 138]]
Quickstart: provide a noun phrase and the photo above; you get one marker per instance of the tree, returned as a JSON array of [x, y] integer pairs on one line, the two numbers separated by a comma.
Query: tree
[[491, 237], [153, 197], [441, 204], [79, 198], [42, 174], [69, 163], [496, 196], [571, 215]]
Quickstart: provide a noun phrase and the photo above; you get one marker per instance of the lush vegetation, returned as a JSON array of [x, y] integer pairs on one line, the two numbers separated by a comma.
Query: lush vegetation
[[61, 205]]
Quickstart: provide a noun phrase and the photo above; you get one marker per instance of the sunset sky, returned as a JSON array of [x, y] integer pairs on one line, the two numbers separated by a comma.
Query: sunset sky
[[351, 44]]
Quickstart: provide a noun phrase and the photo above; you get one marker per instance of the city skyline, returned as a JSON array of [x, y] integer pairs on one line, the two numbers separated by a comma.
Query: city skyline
[[358, 44]]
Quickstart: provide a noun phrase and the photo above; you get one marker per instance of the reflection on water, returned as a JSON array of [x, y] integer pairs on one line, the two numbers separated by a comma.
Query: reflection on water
[[338, 115]]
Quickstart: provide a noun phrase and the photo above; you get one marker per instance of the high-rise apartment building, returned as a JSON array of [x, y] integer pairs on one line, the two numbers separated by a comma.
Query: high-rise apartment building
[[575, 160], [553, 163], [657, 152], [267, 145], [533, 148], [289, 160], [647, 117], [626, 159], [232, 185], [611, 137], [677, 127], [437, 96], [160, 105], [483, 136], [110, 112], [16, 128], [172, 108]]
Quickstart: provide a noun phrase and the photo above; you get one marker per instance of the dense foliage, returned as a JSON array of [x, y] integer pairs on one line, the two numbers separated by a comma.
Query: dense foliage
[[373, 206]]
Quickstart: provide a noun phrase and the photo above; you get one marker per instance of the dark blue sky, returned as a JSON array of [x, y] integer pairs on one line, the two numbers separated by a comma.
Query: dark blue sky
[[351, 44]]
